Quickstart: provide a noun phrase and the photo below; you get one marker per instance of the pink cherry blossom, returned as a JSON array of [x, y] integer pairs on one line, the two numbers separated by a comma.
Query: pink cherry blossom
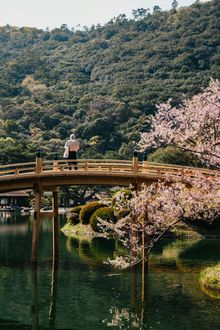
[[155, 209], [194, 126]]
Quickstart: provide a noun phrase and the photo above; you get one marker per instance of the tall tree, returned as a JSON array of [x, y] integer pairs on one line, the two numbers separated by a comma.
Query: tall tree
[[174, 4], [139, 13]]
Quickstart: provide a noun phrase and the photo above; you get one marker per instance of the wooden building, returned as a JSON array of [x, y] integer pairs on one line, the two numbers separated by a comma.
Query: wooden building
[[14, 198]]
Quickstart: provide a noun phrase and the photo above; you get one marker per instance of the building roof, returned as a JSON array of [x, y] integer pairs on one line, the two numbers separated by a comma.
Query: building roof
[[21, 193]]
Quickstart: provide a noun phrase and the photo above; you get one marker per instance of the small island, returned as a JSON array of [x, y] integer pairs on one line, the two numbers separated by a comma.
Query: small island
[[210, 281]]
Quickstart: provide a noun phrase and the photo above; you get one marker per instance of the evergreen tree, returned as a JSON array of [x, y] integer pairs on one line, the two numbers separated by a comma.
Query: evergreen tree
[[174, 4]]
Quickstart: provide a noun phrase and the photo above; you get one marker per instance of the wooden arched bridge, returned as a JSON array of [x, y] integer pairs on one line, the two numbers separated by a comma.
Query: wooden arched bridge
[[48, 175]]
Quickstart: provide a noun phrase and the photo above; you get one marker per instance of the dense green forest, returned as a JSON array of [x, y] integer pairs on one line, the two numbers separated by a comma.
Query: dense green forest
[[101, 82]]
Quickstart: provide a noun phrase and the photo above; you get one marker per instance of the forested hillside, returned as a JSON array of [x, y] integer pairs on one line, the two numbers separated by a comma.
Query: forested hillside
[[101, 82]]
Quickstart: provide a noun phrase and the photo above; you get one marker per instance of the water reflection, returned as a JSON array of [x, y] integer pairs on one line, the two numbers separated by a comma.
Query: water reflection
[[53, 293], [94, 251], [97, 250], [202, 251], [37, 305], [123, 318], [9, 216], [12, 223], [83, 293], [35, 299], [132, 317]]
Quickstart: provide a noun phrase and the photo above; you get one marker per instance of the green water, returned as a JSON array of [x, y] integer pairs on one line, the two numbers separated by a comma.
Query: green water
[[83, 293]]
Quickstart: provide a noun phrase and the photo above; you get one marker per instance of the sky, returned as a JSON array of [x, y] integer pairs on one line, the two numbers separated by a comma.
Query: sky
[[53, 13]]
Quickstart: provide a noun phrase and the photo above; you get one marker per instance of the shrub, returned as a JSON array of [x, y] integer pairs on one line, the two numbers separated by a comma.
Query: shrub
[[105, 213], [122, 213], [75, 209], [73, 215], [73, 218], [87, 210], [172, 155]]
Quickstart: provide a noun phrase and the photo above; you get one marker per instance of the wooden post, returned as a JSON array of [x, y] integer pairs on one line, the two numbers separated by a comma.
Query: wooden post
[[55, 164], [55, 223], [38, 164], [144, 164], [35, 237], [182, 173], [135, 163]]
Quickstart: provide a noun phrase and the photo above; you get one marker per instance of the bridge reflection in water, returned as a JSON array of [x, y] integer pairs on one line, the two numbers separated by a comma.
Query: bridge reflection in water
[[36, 304], [137, 314]]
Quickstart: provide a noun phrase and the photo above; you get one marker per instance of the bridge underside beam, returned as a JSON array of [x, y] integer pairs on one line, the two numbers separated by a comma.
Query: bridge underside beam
[[47, 183]]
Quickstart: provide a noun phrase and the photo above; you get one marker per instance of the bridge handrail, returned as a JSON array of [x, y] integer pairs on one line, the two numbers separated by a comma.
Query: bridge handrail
[[88, 165], [90, 160], [16, 165], [63, 164], [18, 171], [111, 165], [163, 165]]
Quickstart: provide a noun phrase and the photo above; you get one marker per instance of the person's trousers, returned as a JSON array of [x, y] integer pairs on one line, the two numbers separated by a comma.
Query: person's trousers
[[72, 155]]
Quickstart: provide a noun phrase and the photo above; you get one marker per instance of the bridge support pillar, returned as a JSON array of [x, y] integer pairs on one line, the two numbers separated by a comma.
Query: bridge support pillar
[[55, 224], [35, 237], [38, 215]]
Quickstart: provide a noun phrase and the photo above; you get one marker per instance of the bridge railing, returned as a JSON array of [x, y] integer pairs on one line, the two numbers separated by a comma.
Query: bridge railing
[[88, 165], [159, 169], [134, 167], [46, 166], [16, 169]]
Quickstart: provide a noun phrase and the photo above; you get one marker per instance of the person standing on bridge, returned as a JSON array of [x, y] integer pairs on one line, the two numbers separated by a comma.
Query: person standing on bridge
[[71, 149]]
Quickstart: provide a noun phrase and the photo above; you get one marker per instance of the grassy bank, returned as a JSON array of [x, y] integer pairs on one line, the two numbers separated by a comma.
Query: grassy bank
[[79, 230], [195, 231]]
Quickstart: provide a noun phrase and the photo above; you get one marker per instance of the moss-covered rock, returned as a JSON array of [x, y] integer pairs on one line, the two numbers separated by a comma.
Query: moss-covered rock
[[87, 211], [105, 213]]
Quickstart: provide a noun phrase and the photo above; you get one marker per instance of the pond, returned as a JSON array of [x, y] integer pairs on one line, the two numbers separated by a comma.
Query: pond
[[81, 292]]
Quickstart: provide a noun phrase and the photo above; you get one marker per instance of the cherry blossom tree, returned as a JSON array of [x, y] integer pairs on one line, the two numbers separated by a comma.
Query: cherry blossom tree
[[194, 126], [155, 209]]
